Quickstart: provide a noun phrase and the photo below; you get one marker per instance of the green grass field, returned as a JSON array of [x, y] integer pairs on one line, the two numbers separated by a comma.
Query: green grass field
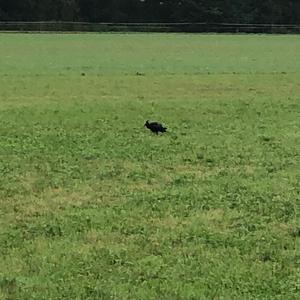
[[93, 206]]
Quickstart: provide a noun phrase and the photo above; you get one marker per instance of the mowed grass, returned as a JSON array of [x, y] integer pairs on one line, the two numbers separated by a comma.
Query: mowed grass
[[94, 206]]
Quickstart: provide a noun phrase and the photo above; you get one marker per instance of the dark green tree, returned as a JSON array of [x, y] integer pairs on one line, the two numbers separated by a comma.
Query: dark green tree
[[231, 11]]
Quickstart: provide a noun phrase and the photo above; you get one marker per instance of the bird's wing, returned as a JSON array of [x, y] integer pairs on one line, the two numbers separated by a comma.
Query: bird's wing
[[155, 124]]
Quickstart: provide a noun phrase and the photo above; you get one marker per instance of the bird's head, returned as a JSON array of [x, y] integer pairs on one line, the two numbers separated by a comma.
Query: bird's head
[[147, 123]]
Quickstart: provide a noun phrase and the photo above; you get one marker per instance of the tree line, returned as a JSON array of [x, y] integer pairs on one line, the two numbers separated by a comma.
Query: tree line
[[229, 11]]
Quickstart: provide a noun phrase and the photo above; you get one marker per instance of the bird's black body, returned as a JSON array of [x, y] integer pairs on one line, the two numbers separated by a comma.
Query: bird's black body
[[155, 127]]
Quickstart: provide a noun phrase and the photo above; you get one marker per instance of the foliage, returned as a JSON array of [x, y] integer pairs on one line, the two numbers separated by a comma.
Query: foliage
[[247, 11]]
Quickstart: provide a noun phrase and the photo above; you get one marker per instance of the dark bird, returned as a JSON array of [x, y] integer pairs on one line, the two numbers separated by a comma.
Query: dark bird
[[155, 127]]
